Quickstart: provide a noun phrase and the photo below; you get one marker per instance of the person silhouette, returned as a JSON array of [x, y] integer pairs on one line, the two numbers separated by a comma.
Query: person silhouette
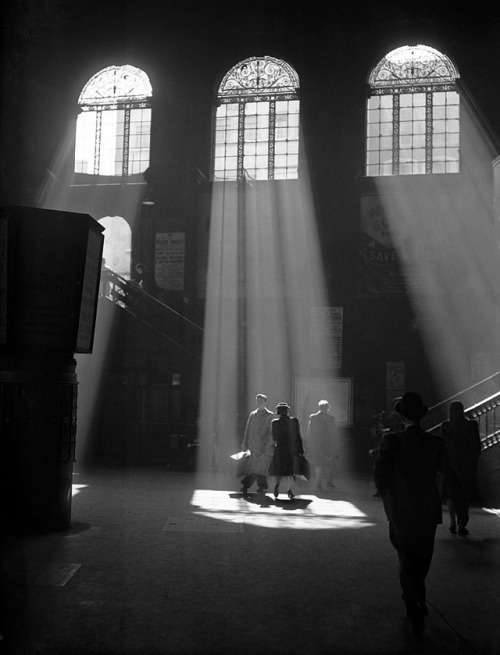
[[405, 474], [462, 439]]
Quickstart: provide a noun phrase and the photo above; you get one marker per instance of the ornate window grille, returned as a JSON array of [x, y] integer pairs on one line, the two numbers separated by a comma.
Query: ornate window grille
[[114, 125], [413, 114], [257, 122]]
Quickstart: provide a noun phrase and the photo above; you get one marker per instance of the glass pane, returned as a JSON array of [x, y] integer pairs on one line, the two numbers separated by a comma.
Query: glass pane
[[405, 141], [373, 129], [263, 108], [250, 108], [419, 127], [261, 161], [438, 126], [452, 126], [232, 109], [262, 148], [452, 166], [279, 160], [405, 100], [373, 143], [386, 129], [438, 167], [374, 116], [386, 115], [452, 139], [439, 140], [419, 113], [386, 101], [373, 103], [418, 141], [419, 154], [439, 98], [405, 114], [386, 168], [438, 112], [452, 111], [280, 147], [419, 99]]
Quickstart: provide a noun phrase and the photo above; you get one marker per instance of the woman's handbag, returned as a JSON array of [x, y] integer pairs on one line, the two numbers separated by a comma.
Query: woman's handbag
[[303, 468]]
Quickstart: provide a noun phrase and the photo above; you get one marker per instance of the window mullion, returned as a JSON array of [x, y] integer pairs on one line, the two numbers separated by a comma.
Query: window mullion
[[240, 172], [126, 143], [97, 142], [428, 131], [272, 133], [395, 134]]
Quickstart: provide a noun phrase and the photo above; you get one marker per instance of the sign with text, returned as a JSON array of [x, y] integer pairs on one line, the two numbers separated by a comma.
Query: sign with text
[[326, 337], [170, 255]]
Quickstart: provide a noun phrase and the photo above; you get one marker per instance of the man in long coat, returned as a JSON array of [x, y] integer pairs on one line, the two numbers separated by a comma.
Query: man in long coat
[[321, 444], [258, 440], [405, 475]]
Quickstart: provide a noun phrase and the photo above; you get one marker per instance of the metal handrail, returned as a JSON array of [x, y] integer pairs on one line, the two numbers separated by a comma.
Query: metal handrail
[[165, 320]]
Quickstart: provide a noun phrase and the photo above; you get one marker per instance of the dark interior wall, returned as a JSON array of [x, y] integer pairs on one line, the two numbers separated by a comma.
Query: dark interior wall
[[51, 49]]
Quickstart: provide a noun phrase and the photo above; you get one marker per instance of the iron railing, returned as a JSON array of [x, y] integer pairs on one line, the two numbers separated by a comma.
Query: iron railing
[[175, 327]]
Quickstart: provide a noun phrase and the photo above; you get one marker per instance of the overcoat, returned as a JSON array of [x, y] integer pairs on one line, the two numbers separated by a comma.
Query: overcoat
[[288, 446], [405, 475]]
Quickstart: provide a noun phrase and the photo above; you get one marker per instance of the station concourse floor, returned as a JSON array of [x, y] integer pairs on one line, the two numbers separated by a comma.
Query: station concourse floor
[[161, 562]]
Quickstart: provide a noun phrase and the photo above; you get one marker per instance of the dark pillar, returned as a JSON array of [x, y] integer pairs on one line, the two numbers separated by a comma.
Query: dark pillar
[[49, 275]]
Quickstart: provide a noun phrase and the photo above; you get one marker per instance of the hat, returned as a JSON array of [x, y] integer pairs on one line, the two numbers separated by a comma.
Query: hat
[[411, 406], [282, 408]]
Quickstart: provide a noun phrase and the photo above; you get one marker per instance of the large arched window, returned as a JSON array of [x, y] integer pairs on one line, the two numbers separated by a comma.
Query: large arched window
[[413, 114], [114, 125], [257, 122]]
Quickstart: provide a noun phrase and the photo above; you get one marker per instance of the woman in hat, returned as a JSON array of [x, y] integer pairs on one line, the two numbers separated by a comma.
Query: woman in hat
[[288, 448]]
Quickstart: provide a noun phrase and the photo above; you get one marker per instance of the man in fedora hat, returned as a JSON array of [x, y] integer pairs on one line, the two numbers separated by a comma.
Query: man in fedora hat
[[405, 475]]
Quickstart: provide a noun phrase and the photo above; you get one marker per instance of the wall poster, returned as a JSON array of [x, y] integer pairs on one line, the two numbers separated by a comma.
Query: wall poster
[[170, 254]]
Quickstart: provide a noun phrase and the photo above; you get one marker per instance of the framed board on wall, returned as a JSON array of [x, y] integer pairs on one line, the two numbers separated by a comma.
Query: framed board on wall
[[337, 391]]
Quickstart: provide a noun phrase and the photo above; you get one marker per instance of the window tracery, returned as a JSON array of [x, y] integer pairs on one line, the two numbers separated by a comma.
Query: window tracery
[[413, 114], [257, 121], [114, 126]]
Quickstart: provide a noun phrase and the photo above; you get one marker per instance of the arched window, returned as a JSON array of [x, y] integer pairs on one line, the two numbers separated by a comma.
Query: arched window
[[114, 125], [413, 114], [117, 244], [257, 122]]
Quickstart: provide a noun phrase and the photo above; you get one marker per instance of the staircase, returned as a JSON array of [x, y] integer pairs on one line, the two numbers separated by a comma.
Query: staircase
[[481, 402], [165, 321]]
